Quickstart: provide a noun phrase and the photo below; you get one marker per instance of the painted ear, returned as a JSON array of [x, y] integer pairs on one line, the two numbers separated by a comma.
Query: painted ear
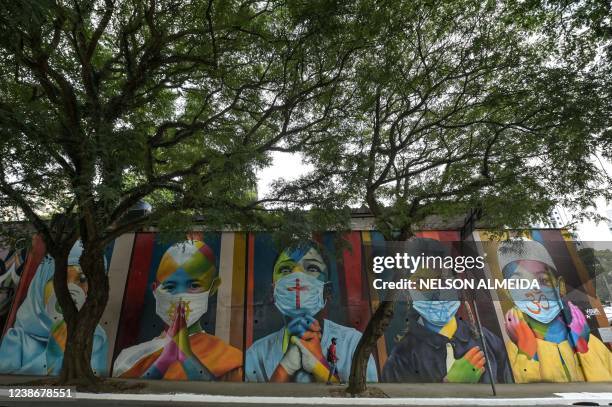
[[328, 291], [214, 286]]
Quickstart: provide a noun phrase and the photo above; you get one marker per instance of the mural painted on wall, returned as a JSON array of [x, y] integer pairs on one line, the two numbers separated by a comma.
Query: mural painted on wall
[[11, 266], [176, 339], [302, 300], [548, 336], [435, 336], [35, 338], [238, 307]]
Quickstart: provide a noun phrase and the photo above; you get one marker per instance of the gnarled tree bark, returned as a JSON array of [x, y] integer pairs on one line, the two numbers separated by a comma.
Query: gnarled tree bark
[[375, 329], [81, 324]]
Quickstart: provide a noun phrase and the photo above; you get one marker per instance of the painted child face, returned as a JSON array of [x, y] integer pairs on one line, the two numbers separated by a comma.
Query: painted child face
[[182, 281], [74, 276], [77, 287], [533, 269], [540, 303], [77, 277], [435, 305], [186, 274], [423, 278], [307, 261], [187, 268]]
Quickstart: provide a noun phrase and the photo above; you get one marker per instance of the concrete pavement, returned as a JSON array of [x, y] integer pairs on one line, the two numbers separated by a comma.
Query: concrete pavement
[[294, 394]]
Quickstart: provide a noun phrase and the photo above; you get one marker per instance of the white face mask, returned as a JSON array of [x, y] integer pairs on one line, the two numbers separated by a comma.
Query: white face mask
[[53, 308], [543, 305], [196, 305], [299, 294]]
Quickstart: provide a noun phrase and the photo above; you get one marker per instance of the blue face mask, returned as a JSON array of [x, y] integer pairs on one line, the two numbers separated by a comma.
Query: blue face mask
[[543, 305], [436, 312], [299, 294]]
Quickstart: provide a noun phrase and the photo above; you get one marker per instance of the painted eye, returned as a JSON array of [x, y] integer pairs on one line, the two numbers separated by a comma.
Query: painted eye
[[168, 286], [195, 284], [546, 281], [313, 269], [285, 269], [82, 278]]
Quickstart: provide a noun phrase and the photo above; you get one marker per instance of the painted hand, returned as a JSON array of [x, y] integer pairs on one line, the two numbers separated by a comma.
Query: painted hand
[[300, 325], [579, 329], [311, 355], [291, 361], [520, 333], [182, 336], [308, 359], [304, 351], [467, 369], [310, 339], [175, 337]]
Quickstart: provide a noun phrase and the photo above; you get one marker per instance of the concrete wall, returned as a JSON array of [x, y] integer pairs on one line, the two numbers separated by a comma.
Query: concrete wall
[[243, 336]]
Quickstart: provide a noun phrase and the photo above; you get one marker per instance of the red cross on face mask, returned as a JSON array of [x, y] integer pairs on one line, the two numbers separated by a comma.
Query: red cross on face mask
[[297, 288], [299, 294]]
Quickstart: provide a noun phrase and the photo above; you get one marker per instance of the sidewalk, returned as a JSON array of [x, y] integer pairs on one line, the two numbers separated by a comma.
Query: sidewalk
[[391, 393]]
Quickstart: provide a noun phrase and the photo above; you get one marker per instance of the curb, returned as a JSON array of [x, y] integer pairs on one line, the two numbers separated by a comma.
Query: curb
[[560, 399]]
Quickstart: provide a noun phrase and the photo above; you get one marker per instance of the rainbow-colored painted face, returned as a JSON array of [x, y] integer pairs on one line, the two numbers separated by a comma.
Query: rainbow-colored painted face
[[543, 303], [533, 269], [187, 267], [307, 260]]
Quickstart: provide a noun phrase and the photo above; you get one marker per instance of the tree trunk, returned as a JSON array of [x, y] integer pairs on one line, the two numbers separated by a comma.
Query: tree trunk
[[375, 329], [81, 324], [76, 369]]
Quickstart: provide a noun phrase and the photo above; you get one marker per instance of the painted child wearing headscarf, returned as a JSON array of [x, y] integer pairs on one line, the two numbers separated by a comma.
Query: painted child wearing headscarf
[[11, 266], [438, 346], [295, 352], [550, 338], [36, 342], [185, 280]]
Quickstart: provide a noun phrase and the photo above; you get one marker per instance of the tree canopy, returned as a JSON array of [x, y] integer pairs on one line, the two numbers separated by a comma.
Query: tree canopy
[[463, 105], [106, 103], [455, 106]]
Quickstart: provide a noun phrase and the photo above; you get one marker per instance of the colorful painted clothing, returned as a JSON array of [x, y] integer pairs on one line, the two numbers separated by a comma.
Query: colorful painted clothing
[[263, 357], [421, 355], [222, 360], [35, 344], [555, 359]]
